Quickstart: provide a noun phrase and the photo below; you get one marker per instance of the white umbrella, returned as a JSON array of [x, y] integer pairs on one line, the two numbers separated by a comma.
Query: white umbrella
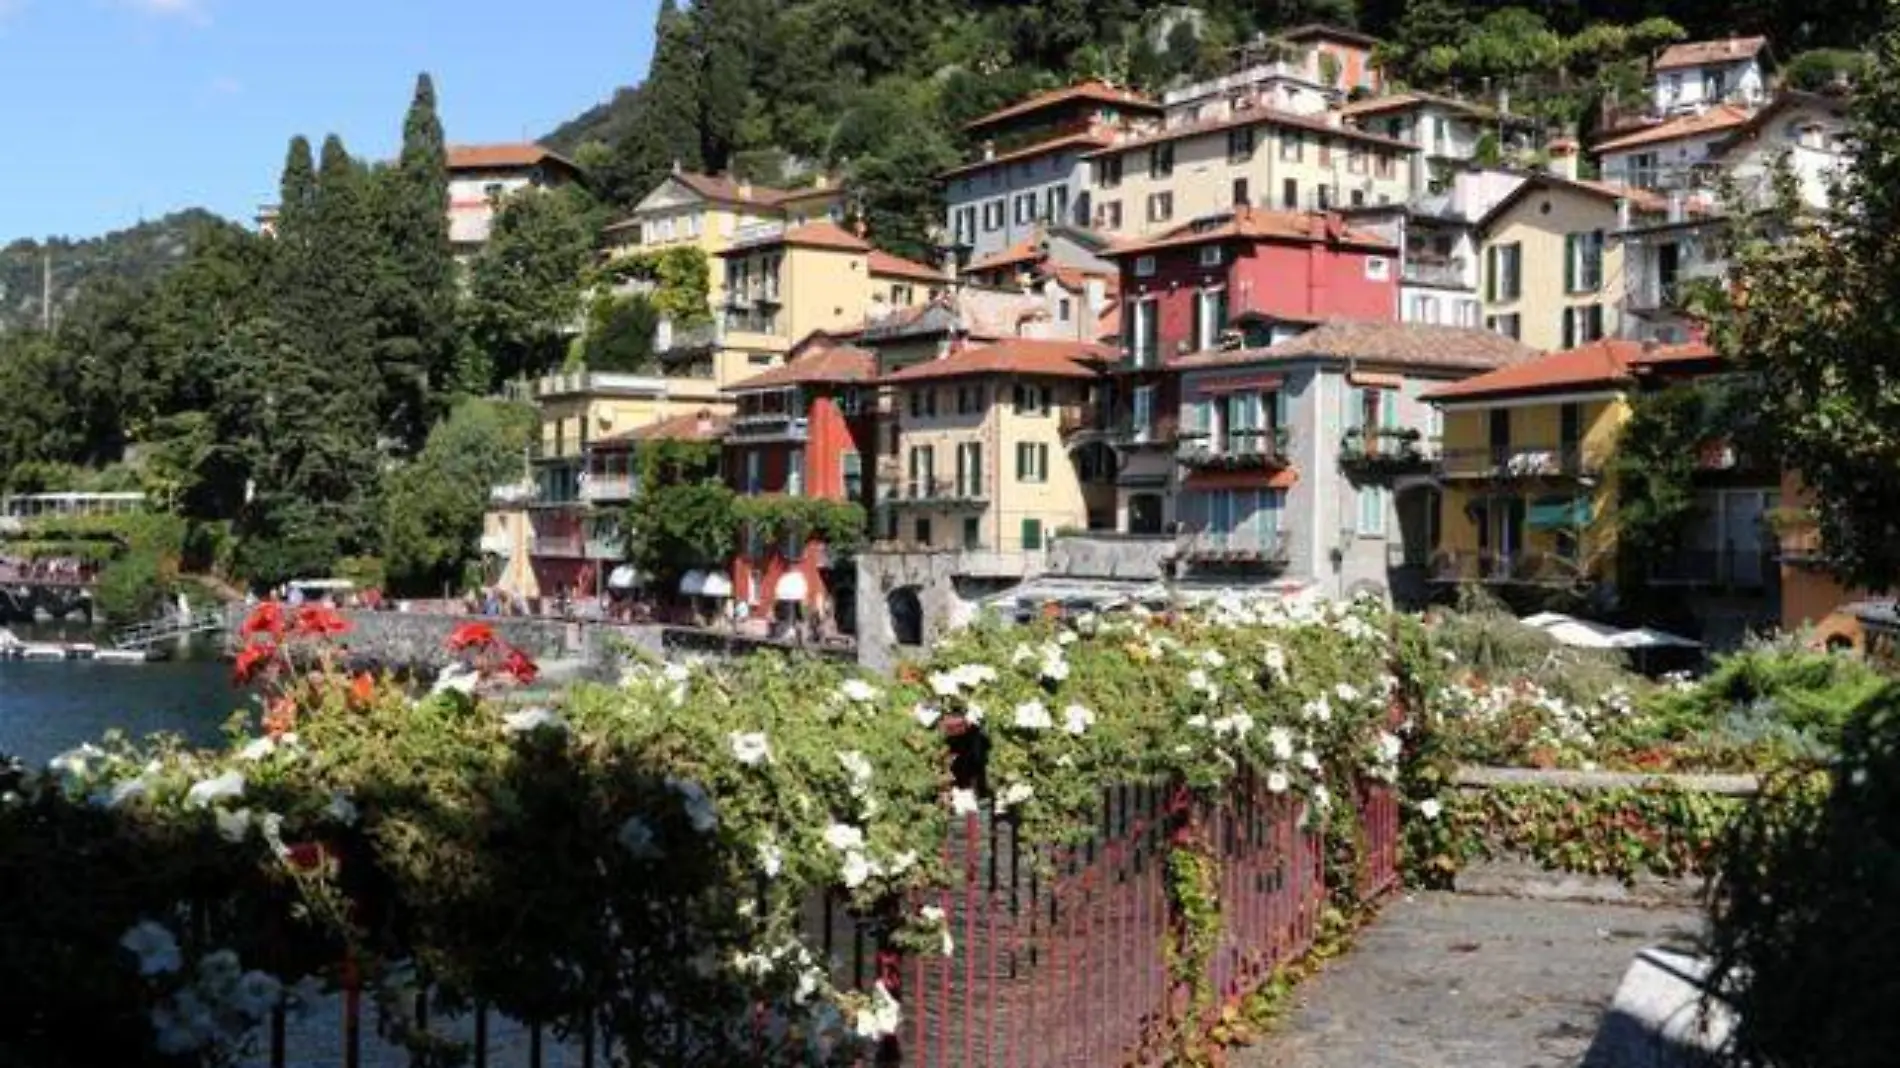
[[693, 583], [791, 587], [623, 577], [1649, 638], [717, 585], [1574, 632]]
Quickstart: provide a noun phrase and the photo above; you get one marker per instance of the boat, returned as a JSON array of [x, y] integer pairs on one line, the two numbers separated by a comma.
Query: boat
[[125, 656], [41, 651]]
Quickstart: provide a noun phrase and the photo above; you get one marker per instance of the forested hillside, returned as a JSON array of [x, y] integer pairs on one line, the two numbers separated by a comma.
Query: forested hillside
[[880, 88], [133, 256]]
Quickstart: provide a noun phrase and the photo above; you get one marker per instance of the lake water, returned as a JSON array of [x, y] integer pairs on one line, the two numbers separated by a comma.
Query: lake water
[[49, 707]]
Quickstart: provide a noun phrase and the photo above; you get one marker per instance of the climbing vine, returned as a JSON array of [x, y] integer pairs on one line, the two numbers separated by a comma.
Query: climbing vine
[[681, 278]]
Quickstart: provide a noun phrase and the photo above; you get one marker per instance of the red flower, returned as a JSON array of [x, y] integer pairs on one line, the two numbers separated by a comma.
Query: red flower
[[362, 690], [518, 665], [252, 659], [309, 856], [281, 717], [471, 636], [266, 618], [319, 621]]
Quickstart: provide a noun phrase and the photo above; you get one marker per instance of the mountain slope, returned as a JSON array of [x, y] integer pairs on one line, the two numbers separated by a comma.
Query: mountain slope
[[136, 255]]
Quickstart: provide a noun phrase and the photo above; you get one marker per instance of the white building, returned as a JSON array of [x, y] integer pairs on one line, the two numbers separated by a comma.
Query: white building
[[481, 175], [1438, 245], [1677, 153], [1448, 132], [1699, 74]]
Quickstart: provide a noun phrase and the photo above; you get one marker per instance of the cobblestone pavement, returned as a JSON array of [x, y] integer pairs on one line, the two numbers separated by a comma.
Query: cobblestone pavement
[[1443, 981]]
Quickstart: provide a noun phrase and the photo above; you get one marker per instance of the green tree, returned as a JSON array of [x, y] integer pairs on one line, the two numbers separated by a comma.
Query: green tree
[[664, 132], [37, 421], [418, 351], [893, 145], [1809, 316], [621, 335], [432, 512], [525, 287]]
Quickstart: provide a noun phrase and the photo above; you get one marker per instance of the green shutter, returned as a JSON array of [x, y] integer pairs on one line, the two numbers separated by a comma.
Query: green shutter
[[1032, 533], [1279, 408], [1571, 243], [1491, 274], [1356, 407], [1389, 408], [1570, 329]]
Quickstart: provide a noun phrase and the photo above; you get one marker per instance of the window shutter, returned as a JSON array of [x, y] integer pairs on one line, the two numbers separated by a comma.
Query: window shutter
[[1355, 407], [1279, 408], [1389, 408], [1491, 273], [1042, 463], [1570, 265], [1570, 329], [1596, 321]]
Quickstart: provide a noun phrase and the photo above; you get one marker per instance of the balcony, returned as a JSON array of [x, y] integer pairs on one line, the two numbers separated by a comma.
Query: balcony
[[1082, 420], [1383, 452], [1240, 549], [934, 492], [517, 494], [1158, 431], [571, 546], [771, 426], [1436, 271], [757, 233], [975, 561], [605, 548], [1508, 462], [672, 342], [1456, 567], [596, 384], [1263, 449], [496, 544], [607, 489]]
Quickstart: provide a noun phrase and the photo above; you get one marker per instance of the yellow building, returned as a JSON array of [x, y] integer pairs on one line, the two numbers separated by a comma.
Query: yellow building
[[782, 284], [1552, 272], [982, 464], [1253, 155], [1529, 493]]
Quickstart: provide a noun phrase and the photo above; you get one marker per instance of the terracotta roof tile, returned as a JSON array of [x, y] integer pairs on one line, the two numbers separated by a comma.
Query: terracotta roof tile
[[1013, 356], [1258, 224], [1259, 116], [1028, 250], [1401, 101], [1715, 120], [495, 157], [1605, 363], [1098, 91], [826, 362], [884, 263], [820, 234], [729, 190], [1087, 140], [1415, 345], [1784, 101], [693, 426], [1702, 53]]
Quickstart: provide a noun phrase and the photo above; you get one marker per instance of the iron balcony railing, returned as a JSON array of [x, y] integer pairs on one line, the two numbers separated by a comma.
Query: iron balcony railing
[[1265, 548], [1522, 568], [969, 491], [1727, 569], [597, 488], [1160, 429], [780, 426], [1383, 450], [1429, 271], [1260, 448], [1517, 461], [1075, 420]]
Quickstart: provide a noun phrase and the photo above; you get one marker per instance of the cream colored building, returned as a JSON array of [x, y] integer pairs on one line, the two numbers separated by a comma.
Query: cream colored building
[[1551, 274], [982, 463], [1253, 155]]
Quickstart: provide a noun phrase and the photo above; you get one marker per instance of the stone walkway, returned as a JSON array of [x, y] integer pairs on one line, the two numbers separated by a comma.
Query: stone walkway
[[1443, 981]]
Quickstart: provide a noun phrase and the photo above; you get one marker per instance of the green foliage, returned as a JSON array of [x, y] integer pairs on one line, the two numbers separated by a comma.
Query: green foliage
[[620, 335], [839, 524], [1821, 69], [133, 257], [1660, 450], [525, 287], [135, 586], [680, 281], [680, 526], [432, 512], [1804, 934]]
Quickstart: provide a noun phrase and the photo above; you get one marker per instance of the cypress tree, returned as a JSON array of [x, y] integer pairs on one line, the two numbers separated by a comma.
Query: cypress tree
[[417, 354], [297, 190], [666, 130], [726, 31]]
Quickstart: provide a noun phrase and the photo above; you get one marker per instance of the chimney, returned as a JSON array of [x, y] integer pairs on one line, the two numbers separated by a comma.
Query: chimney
[[1563, 159], [989, 150], [676, 167]]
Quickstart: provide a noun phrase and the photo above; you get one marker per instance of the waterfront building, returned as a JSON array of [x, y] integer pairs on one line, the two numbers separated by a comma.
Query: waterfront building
[[1696, 75]]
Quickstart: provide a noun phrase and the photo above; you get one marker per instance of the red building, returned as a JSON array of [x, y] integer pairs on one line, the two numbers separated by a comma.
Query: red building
[[803, 429], [1265, 274]]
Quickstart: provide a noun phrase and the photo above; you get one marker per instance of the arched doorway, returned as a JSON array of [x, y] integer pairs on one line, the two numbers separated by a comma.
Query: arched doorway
[[906, 607]]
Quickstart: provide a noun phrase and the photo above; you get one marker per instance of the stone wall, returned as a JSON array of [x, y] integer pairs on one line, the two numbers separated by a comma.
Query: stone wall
[[945, 600]]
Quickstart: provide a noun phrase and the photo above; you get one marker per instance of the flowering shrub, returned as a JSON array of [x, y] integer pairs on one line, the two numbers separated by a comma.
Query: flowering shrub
[[644, 857]]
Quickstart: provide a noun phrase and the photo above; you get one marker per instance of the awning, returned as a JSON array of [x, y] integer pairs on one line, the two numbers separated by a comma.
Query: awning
[[716, 585], [693, 583], [1650, 638], [791, 587], [1559, 513], [623, 577]]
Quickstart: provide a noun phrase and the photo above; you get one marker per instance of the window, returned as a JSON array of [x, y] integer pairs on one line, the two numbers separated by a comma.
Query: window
[[1582, 324], [1507, 325], [1025, 208], [1144, 266], [853, 467], [1371, 512], [920, 531], [1032, 534], [1382, 165], [1143, 338], [493, 191], [1240, 145], [1055, 204], [1210, 255], [972, 536], [969, 399], [851, 402], [965, 225], [923, 471], [1109, 215], [1583, 262], [1503, 272], [1160, 207], [1032, 462], [1030, 399], [1292, 146], [1358, 198], [1324, 197], [1423, 309], [1290, 194], [992, 215], [1063, 310], [1141, 411], [1108, 172], [1570, 424], [923, 402], [970, 469], [1355, 160], [1714, 85], [1378, 268], [795, 473], [1210, 317], [754, 471], [1161, 161], [1240, 192], [900, 294]]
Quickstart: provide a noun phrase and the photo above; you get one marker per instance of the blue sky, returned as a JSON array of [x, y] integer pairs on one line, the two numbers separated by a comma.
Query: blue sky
[[117, 110]]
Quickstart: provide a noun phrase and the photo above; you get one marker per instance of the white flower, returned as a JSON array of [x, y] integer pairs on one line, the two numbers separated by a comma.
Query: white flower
[[927, 715], [1021, 655], [1321, 796], [637, 838], [857, 869], [1197, 720], [1077, 720], [963, 802], [258, 748], [843, 836], [1032, 716], [858, 690], [973, 713], [213, 790], [700, 810], [934, 916], [903, 862], [1280, 741], [1309, 760], [944, 684], [128, 790], [1429, 808], [154, 946], [456, 678], [341, 809], [182, 1025], [749, 747], [529, 720], [1276, 782], [1066, 637], [771, 858], [1054, 668], [233, 826], [881, 1016], [1389, 746], [74, 761], [1319, 708], [1346, 692], [256, 994], [859, 768], [677, 672], [1197, 680], [1237, 725], [1213, 658], [1275, 658], [1014, 794], [974, 675]]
